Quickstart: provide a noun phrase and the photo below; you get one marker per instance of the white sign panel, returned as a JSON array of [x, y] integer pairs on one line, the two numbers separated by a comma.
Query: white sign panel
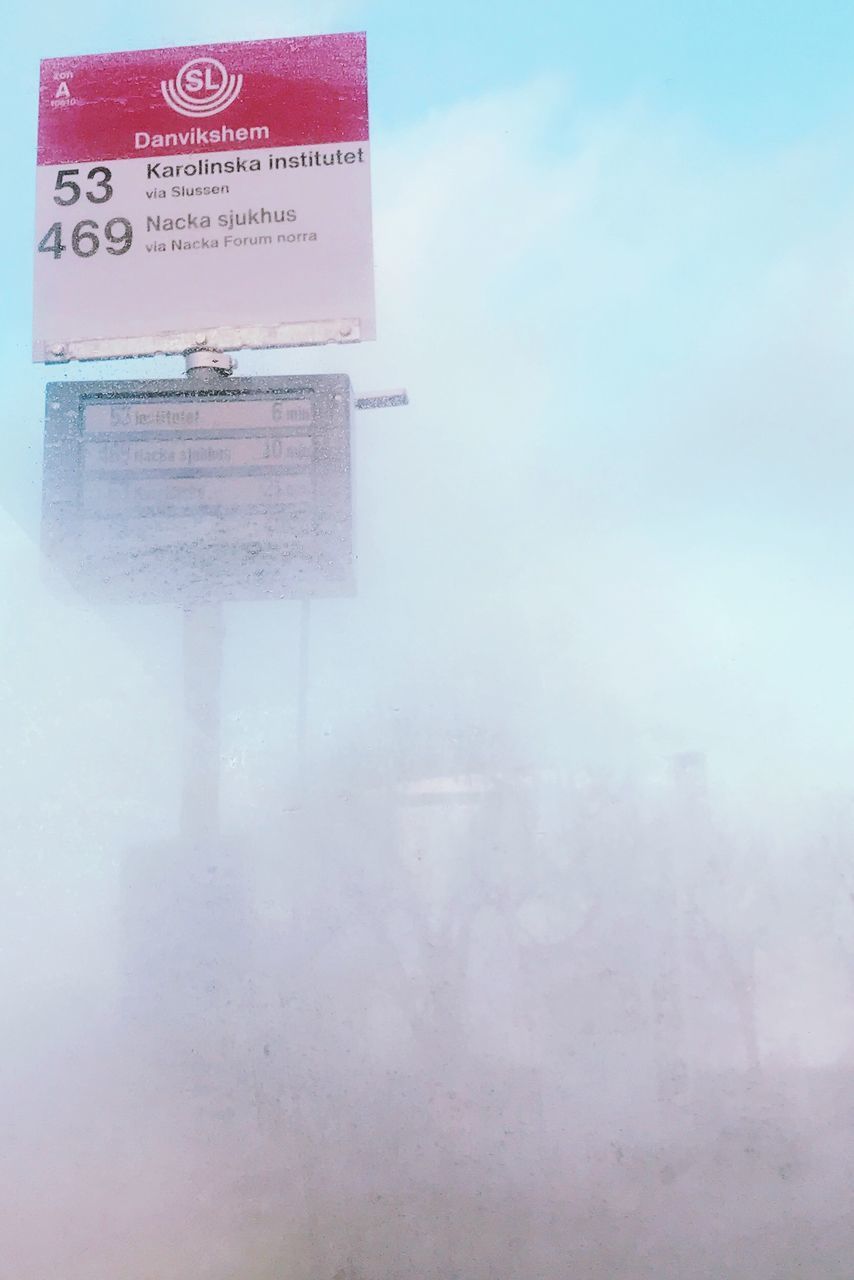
[[217, 195]]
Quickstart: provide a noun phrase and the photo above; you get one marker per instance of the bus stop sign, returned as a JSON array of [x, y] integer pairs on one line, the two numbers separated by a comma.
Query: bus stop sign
[[217, 195]]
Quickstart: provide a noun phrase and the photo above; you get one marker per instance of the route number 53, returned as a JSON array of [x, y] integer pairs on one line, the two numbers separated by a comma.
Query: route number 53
[[67, 191]]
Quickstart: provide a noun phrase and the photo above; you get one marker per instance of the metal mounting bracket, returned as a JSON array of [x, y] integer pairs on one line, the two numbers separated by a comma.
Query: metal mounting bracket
[[202, 358]]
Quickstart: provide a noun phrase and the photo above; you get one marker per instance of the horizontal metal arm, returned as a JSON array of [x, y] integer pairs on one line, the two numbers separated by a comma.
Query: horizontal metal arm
[[383, 399]]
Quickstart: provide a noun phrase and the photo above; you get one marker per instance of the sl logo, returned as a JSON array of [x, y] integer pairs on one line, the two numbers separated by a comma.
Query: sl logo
[[202, 87]]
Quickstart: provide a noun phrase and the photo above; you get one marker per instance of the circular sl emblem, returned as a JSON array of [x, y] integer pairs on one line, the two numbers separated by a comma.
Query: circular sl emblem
[[202, 87]]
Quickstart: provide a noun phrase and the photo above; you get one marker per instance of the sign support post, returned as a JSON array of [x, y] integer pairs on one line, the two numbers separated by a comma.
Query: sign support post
[[302, 693], [202, 659], [203, 634]]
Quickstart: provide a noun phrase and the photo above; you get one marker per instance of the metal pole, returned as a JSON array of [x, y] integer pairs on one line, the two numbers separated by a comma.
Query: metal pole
[[203, 628], [302, 693], [203, 637]]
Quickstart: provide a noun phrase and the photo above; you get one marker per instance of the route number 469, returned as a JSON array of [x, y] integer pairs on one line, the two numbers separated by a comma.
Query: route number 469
[[85, 241]]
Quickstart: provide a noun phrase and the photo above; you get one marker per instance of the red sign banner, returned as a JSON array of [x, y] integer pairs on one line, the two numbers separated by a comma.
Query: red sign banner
[[274, 93]]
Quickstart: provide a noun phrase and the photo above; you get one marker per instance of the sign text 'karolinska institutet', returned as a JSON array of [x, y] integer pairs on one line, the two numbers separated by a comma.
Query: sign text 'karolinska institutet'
[[215, 195]]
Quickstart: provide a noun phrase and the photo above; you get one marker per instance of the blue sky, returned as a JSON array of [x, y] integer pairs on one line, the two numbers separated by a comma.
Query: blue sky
[[750, 72], [613, 256]]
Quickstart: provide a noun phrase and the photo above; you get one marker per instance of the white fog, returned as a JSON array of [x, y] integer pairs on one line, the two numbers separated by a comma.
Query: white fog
[[515, 938]]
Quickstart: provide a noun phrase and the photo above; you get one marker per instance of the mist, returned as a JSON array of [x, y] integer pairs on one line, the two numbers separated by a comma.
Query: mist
[[518, 943]]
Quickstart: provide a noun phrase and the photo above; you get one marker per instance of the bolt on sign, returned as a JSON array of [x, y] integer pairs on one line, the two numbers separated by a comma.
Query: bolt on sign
[[174, 491], [217, 195]]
